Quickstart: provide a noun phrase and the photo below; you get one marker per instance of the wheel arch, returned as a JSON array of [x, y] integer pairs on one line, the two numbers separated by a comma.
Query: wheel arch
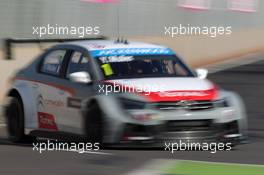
[[112, 115], [26, 98], [15, 93], [238, 104]]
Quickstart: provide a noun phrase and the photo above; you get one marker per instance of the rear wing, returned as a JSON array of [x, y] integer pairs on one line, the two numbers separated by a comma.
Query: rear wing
[[9, 42]]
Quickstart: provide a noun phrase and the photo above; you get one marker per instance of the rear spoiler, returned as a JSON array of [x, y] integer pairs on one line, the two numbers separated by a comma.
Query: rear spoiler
[[10, 41]]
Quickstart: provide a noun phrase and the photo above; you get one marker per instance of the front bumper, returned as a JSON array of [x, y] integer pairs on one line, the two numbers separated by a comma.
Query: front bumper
[[202, 123], [141, 136], [200, 131]]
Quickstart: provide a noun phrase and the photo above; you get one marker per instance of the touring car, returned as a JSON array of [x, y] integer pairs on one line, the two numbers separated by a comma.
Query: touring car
[[117, 92]]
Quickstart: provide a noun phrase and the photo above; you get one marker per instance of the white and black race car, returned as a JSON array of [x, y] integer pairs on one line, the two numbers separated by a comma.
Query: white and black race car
[[120, 92]]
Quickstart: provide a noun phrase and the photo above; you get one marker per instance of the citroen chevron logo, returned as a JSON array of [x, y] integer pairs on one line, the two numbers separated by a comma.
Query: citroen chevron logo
[[40, 101]]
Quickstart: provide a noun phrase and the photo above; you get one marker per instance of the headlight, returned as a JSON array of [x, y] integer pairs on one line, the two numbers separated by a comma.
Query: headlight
[[132, 104]]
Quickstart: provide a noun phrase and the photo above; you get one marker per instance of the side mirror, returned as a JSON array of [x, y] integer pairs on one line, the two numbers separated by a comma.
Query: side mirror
[[201, 73], [80, 77]]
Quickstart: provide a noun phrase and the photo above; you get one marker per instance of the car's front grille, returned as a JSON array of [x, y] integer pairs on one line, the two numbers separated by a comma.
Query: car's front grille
[[185, 105], [189, 125]]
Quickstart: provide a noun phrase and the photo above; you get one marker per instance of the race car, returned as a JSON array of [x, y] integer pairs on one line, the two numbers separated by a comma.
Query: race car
[[120, 92]]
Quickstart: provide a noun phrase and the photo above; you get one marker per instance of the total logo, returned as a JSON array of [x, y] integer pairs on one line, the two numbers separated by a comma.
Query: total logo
[[46, 121]]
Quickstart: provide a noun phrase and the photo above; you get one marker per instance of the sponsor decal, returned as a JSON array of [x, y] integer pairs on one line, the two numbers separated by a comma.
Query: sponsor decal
[[183, 96], [115, 59], [46, 121], [42, 102], [132, 51], [53, 103], [154, 95], [74, 102]]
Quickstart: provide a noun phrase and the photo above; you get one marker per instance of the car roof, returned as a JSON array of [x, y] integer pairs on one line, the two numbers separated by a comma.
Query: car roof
[[112, 44]]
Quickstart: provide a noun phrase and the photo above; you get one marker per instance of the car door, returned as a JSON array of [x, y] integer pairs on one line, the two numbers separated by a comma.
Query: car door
[[50, 91], [71, 117]]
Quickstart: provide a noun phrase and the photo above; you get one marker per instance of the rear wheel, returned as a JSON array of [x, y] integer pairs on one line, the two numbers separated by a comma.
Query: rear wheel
[[15, 121], [94, 125]]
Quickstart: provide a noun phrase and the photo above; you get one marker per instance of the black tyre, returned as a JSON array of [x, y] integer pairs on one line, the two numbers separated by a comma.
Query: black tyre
[[15, 122], [94, 126]]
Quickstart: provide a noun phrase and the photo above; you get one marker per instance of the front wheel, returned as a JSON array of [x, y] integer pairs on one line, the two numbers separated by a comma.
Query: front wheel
[[15, 121], [94, 125]]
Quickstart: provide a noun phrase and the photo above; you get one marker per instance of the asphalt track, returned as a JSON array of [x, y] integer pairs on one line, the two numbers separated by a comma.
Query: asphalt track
[[247, 80]]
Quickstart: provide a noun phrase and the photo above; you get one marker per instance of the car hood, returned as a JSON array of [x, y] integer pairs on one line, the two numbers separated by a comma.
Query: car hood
[[169, 89]]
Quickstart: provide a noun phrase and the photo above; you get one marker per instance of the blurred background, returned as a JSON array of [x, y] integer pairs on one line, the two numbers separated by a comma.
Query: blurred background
[[136, 17], [146, 20]]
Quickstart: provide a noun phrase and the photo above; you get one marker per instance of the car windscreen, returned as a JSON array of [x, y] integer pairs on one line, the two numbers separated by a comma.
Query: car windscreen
[[142, 66]]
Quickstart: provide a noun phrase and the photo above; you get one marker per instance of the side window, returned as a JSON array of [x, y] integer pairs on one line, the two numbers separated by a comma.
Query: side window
[[77, 63], [53, 62]]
